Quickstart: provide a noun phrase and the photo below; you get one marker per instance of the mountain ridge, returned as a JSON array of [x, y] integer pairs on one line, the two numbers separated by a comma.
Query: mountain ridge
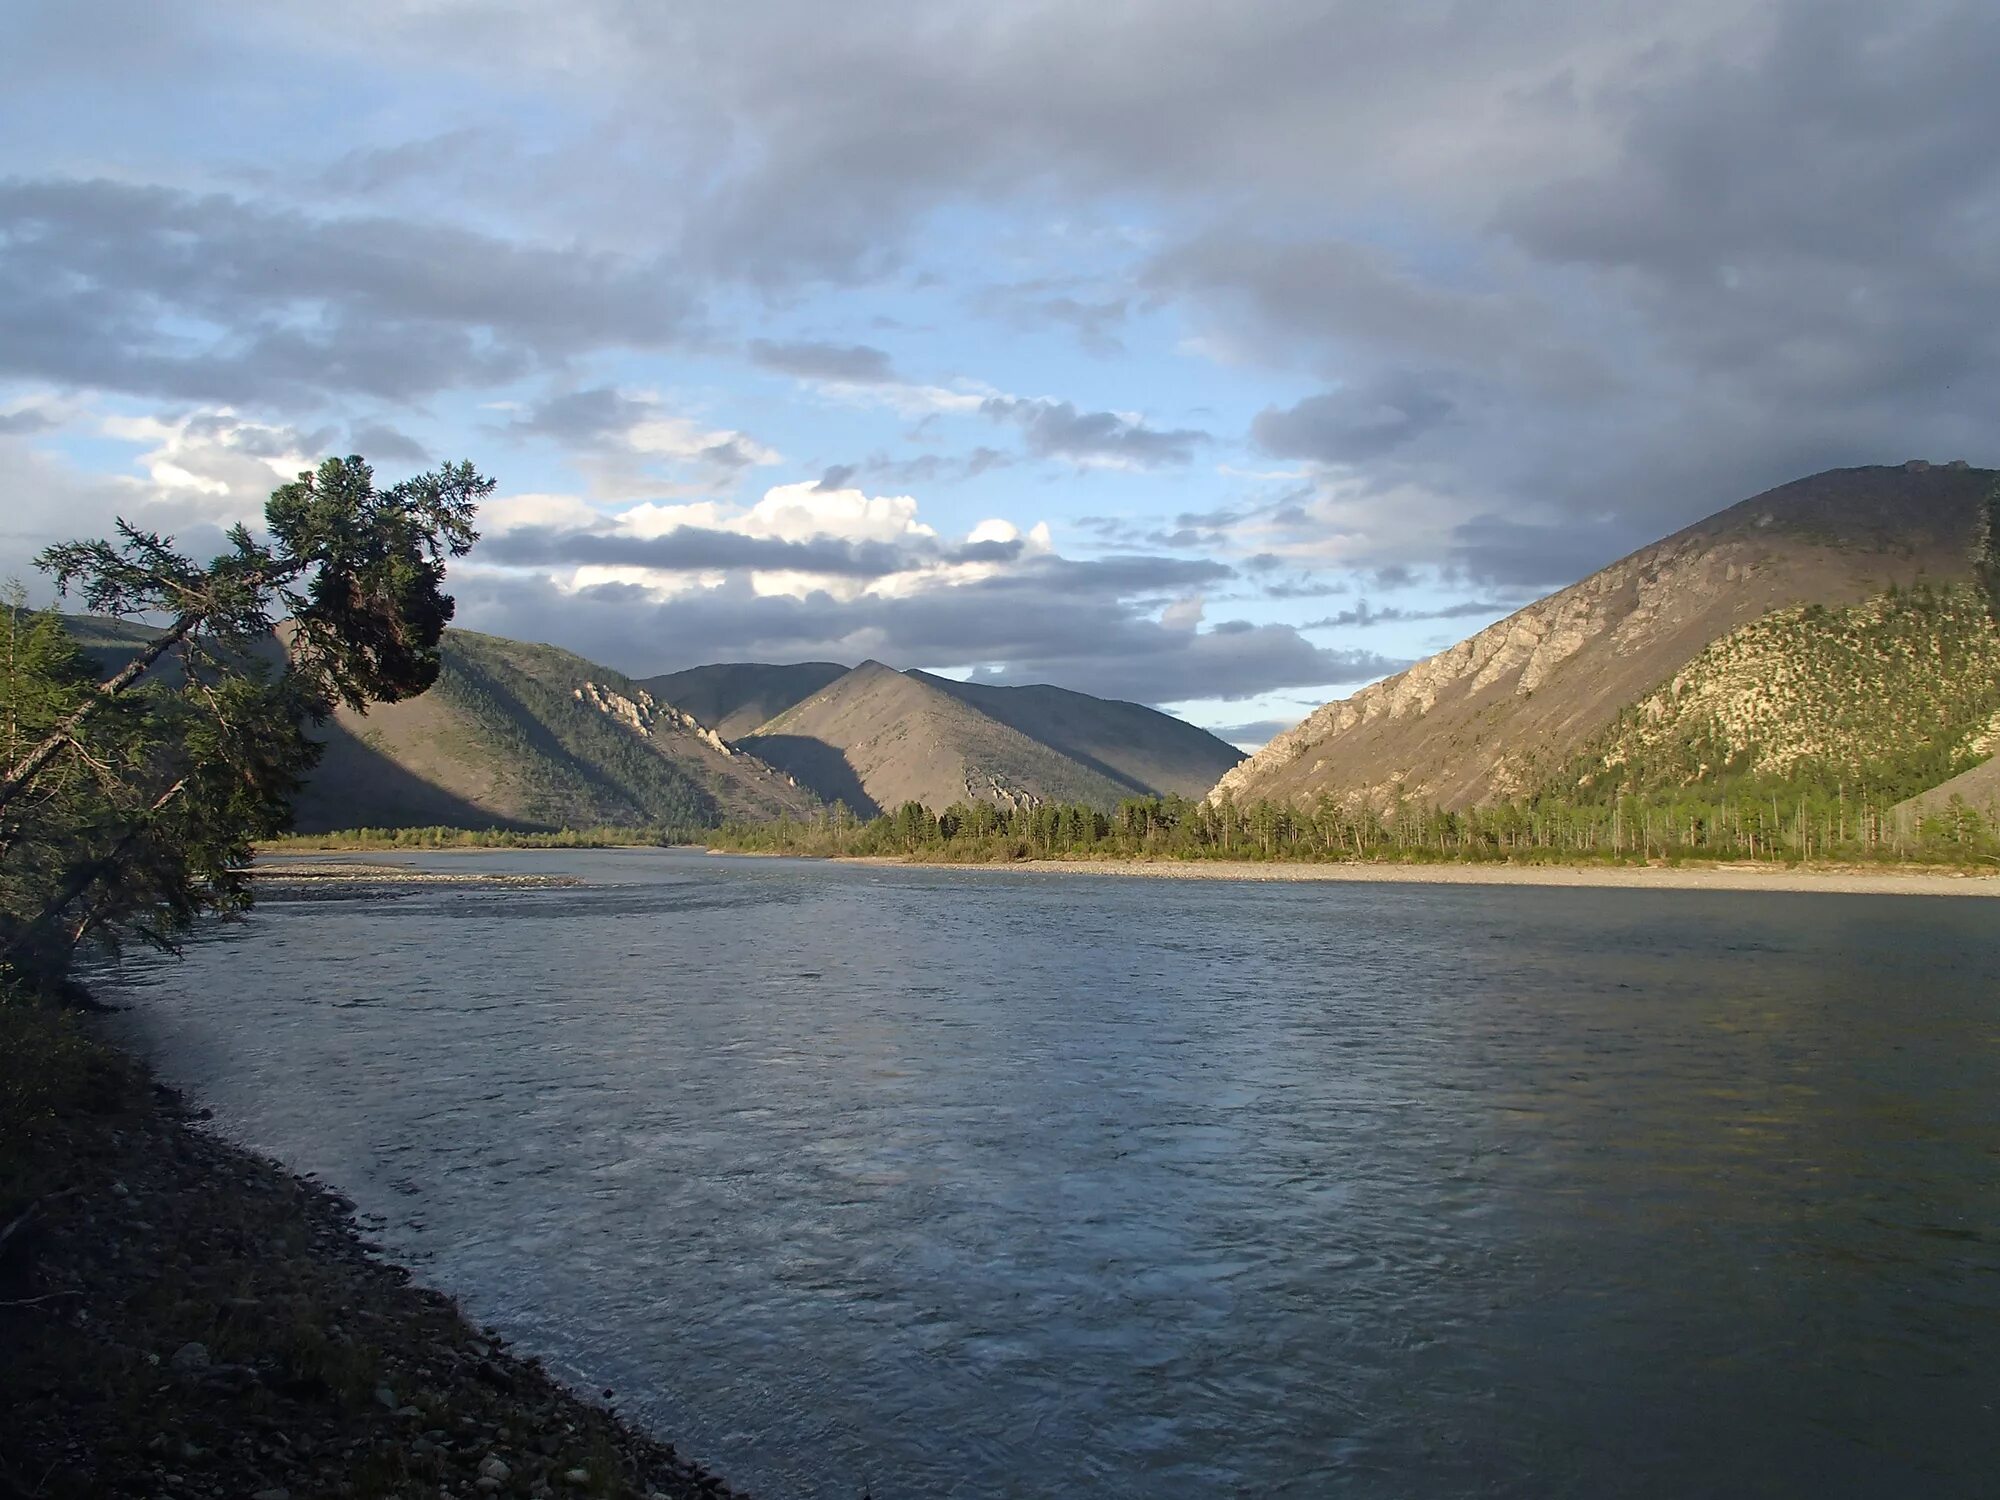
[[1495, 715]]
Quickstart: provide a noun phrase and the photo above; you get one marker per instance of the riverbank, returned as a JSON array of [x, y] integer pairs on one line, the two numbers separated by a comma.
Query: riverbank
[[184, 1318], [1836, 879], [294, 876]]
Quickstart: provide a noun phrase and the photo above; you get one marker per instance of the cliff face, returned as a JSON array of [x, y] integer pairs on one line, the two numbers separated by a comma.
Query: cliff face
[[1497, 714]]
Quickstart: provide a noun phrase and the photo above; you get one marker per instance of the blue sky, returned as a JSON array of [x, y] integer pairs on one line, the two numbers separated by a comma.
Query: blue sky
[[1224, 358]]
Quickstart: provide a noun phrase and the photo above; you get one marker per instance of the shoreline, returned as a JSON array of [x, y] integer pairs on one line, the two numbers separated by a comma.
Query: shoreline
[[187, 1317], [1848, 880]]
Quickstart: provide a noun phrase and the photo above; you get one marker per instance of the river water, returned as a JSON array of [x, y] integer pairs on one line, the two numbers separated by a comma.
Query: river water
[[934, 1183]]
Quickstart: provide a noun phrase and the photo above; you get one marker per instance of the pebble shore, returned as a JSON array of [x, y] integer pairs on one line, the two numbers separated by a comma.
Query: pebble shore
[[182, 1318]]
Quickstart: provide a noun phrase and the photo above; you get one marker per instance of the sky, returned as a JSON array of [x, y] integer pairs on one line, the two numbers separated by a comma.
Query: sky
[[1219, 357]]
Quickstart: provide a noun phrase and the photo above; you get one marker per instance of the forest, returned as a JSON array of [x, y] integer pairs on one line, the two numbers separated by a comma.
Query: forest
[[1787, 825]]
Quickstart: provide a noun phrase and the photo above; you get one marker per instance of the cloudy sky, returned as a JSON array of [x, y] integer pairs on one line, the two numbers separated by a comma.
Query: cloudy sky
[[1216, 356]]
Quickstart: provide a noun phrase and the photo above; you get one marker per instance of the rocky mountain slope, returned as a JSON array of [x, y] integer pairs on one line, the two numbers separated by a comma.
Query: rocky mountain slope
[[1138, 747], [1514, 707], [735, 698], [524, 735], [875, 738]]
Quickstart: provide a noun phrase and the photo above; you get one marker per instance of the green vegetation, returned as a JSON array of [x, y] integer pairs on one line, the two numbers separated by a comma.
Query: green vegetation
[[128, 806], [1792, 738], [573, 764], [1871, 703], [364, 839], [1548, 829]]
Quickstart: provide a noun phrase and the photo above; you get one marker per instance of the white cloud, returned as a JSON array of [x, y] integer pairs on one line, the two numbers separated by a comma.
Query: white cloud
[[221, 466], [799, 512]]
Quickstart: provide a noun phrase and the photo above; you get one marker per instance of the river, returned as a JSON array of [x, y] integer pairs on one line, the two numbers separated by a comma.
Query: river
[[925, 1183]]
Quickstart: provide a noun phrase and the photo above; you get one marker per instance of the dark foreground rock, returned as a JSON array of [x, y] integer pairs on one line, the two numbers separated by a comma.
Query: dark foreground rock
[[179, 1317]]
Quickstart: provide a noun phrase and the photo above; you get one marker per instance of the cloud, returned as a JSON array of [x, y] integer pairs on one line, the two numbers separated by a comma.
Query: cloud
[[378, 442], [696, 549], [25, 420], [159, 292], [1517, 288], [1363, 615], [1056, 429], [845, 575], [1068, 625], [934, 468], [584, 418], [627, 443], [1355, 424], [1027, 306], [849, 364], [1497, 550]]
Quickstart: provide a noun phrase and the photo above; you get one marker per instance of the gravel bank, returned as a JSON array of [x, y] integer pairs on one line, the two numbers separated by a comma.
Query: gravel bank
[[181, 1318], [1847, 880]]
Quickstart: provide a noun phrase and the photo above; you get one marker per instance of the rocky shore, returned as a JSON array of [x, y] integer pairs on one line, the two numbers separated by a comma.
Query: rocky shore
[[182, 1318]]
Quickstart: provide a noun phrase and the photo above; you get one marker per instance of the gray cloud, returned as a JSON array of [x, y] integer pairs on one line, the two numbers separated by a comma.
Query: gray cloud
[[1056, 429], [583, 418], [27, 420], [932, 468], [1364, 615], [1355, 424], [206, 297], [695, 548], [1506, 553], [1654, 257], [1042, 304], [855, 364], [377, 441]]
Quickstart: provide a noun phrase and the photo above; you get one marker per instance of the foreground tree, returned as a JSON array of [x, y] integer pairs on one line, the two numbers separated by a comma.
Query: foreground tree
[[128, 806]]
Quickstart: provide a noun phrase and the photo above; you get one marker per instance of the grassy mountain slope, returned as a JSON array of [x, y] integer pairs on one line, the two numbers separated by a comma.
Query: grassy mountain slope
[[1500, 714], [531, 736], [735, 698], [876, 738], [1885, 698], [1140, 748]]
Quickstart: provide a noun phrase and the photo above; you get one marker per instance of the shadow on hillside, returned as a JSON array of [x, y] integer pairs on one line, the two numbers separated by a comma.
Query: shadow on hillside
[[815, 765], [357, 786]]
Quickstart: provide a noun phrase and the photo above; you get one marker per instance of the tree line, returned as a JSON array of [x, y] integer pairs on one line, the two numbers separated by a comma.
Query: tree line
[[1770, 824]]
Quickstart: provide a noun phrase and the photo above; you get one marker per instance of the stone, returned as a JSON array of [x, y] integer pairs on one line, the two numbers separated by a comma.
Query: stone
[[488, 1486], [275, 1492], [190, 1356], [494, 1467], [578, 1476], [386, 1397]]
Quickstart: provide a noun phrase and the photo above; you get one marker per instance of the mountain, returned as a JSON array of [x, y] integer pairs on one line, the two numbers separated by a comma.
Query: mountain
[[875, 738], [1568, 690], [514, 735], [734, 698], [1977, 790], [1887, 697], [1140, 748], [525, 735]]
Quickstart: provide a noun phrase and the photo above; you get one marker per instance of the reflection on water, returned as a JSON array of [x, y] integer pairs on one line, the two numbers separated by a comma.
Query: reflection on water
[[998, 1184]]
